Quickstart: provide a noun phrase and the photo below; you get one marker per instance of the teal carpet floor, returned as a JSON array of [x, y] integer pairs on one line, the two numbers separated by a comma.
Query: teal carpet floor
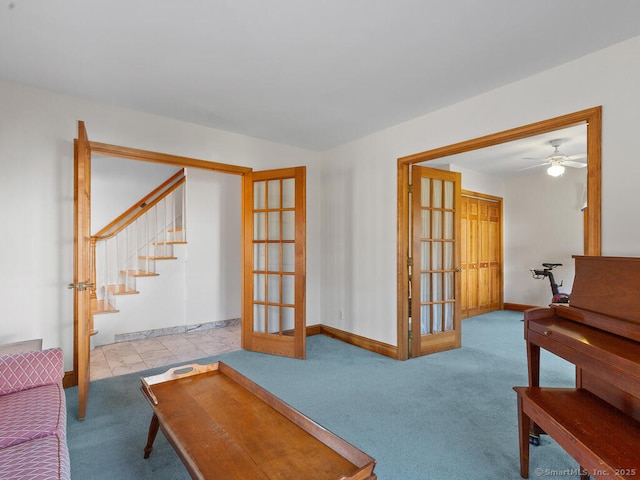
[[450, 415]]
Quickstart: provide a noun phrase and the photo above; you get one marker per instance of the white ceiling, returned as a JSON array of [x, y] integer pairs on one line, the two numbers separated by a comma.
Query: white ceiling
[[309, 73], [520, 157]]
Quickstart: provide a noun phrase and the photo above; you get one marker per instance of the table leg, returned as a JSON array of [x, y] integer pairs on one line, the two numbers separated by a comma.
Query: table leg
[[533, 354], [523, 430], [533, 360], [153, 431]]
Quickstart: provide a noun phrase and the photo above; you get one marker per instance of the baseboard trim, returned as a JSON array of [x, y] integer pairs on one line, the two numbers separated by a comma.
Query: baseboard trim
[[314, 330], [353, 339], [69, 380], [196, 327], [518, 307]]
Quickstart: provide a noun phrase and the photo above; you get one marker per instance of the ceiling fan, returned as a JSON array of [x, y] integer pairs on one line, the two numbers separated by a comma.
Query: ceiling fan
[[557, 161]]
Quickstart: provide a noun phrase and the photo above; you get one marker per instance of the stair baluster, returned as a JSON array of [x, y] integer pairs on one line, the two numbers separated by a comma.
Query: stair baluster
[[131, 244]]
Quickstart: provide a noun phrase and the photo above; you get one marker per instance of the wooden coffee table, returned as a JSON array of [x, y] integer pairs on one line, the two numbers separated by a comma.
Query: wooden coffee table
[[224, 426]]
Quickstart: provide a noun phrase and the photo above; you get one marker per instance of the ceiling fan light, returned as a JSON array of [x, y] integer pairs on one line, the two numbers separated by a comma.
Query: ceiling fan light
[[555, 170]]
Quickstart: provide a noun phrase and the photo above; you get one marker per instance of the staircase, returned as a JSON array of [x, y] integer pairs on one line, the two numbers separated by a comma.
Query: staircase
[[129, 247]]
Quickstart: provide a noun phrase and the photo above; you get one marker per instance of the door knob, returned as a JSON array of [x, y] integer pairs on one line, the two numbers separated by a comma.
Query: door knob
[[81, 286]]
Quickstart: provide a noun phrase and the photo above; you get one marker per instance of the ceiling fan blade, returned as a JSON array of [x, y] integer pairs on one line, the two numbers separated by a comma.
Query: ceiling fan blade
[[532, 166], [577, 156], [532, 158], [569, 163]]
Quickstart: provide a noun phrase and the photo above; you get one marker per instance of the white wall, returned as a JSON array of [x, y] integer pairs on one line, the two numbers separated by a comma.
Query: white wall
[[214, 241], [479, 182], [37, 129], [360, 178], [543, 222], [117, 183]]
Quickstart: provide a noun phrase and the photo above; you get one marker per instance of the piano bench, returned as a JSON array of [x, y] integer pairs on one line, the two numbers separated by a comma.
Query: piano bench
[[602, 439]]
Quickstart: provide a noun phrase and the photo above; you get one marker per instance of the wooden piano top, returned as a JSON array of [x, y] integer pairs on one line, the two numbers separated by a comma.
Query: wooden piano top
[[608, 287]]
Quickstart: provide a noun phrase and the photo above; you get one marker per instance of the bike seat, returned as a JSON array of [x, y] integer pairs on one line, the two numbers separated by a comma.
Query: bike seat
[[551, 265]]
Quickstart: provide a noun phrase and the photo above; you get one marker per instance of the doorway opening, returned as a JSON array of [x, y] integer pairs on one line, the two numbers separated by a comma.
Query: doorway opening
[[132, 352], [183, 301], [273, 258], [592, 118]]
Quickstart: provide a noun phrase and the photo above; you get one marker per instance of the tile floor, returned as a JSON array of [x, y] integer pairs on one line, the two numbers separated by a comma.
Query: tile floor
[[137, 355]]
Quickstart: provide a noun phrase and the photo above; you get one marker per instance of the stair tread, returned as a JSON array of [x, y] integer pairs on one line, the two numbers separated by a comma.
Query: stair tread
[[100, 307], [171, 242], [121, 289], [138, 273]]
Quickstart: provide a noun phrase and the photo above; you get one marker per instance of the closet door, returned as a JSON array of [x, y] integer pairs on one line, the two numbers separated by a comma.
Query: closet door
[[464, 255], [470, 265], [484, 258], [481, 254], [495, 260]]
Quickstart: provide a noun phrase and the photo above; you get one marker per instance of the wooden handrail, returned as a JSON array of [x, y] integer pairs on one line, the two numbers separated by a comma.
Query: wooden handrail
[[142, 206]]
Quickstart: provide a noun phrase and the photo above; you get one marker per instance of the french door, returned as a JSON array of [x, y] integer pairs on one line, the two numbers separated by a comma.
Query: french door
[[82, 266], [273, 317], [435, 250]]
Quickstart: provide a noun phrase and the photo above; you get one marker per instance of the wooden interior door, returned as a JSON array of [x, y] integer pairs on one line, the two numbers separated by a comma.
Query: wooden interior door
[[274, 262], [435, 272], [468, 257], [81, 279], [481, 254], [494, 257]]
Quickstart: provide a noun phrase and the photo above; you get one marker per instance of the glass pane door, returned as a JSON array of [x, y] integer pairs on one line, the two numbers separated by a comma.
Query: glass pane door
[[275, 263], [435, 272], [274, 256]]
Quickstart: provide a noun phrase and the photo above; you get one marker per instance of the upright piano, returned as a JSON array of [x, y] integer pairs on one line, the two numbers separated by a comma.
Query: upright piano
[[598, 421]]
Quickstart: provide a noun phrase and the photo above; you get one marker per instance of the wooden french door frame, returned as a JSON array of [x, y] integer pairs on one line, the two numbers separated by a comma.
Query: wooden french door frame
[[83, 149], [81, 285], [274, 266], [435, 266], [592, 117]]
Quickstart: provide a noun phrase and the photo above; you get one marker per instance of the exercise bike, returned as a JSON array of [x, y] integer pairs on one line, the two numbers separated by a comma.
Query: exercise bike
[[546, 272]]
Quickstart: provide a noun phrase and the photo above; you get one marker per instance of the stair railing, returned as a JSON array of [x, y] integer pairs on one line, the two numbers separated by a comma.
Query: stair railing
[[127, 247]]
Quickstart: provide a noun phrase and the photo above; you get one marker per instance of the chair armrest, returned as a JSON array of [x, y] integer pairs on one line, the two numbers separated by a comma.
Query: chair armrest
[[21, 371]]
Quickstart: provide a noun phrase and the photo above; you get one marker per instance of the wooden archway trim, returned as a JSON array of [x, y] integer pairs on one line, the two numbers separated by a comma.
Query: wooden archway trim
[[164, 158], [592, 117]]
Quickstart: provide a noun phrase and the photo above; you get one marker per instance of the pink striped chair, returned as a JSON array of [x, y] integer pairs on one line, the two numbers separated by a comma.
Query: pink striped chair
[[33, 416]]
